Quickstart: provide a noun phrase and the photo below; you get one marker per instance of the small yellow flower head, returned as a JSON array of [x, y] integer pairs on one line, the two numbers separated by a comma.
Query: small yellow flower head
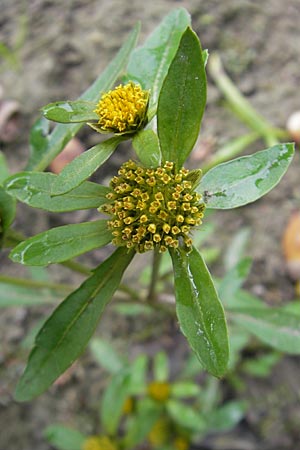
[[128, 406], [123, 109], [159, 391], [180, 443], [152, 208], [98, 443], [160, 432]]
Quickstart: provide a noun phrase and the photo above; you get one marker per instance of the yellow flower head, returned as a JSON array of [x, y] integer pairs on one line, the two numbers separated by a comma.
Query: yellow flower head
[[159, 390], [122, 110], [180, 443], [98, 443], [160, 432], [152, 208]]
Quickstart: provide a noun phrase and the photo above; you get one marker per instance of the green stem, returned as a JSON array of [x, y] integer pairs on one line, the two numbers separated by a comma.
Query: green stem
[[230, 150], [238, 103], [77, 267], [25, 282], [151, 297]]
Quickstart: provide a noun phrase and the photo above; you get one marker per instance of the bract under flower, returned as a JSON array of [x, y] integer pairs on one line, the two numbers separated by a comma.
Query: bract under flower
[[152, 208], [122, 110]]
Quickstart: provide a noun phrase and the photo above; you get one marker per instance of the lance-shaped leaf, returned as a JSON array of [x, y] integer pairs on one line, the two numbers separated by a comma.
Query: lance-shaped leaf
[[34, 189], [149, 64], [245, 179], [182, 101], [274, 326], [64, 438], [146, 146], [45, 147], [82, 167], [66, 333], [70, 112], [61, 243], [199, 311]]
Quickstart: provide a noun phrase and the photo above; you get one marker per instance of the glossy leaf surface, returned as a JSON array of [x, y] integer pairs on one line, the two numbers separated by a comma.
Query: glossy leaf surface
[[82, 167], [273, 326], [245, 179], [66, 333], [34, 189], [149, 64], [182, 101], [200, 313], [70, 112], [44, 146], [61, 243], [146, 146]]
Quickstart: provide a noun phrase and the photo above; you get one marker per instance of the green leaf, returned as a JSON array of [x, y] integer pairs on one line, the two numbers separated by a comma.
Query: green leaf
[[262, 365], [149, 64], [45, 147], [185, 389], [106, 356], [11, 295], [160, 367], [70, 112], [199, 311], [186, 416], [273, 326], [84, 166], [227, 416], [61, 243], [113, 400], [138, 428], [182, 101], [66, 333], [138, 375], [34, 189], [245, 179], [64, 438], [146, 146], [7, 204], [233, 280]]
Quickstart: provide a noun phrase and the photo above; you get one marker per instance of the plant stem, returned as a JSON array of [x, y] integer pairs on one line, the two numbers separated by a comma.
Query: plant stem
[[25, 282], [77, 267], [230, 150], [239, 104], [151, 297]]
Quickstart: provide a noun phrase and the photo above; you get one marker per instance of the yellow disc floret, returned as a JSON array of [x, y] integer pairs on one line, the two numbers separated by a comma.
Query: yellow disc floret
[[145, 213], [98, 443], [123, 109], [159, 390]]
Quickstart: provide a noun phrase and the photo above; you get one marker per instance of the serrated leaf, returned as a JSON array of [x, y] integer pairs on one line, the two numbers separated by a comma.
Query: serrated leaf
[[45, 147], [82, 167], [61, 243], [200, 313], [146, 146], [274, 326], [34, 189], [182, 101], [66, 333], [245, 179], [64, 438], [70, 112], [149, 64]]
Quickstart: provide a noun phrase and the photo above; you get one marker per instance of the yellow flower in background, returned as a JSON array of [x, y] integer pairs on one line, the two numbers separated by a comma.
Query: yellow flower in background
[[160, 432], [128, 406], [180, 443], [98, 443], [122, 110], [159, 390], [152, 208]]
